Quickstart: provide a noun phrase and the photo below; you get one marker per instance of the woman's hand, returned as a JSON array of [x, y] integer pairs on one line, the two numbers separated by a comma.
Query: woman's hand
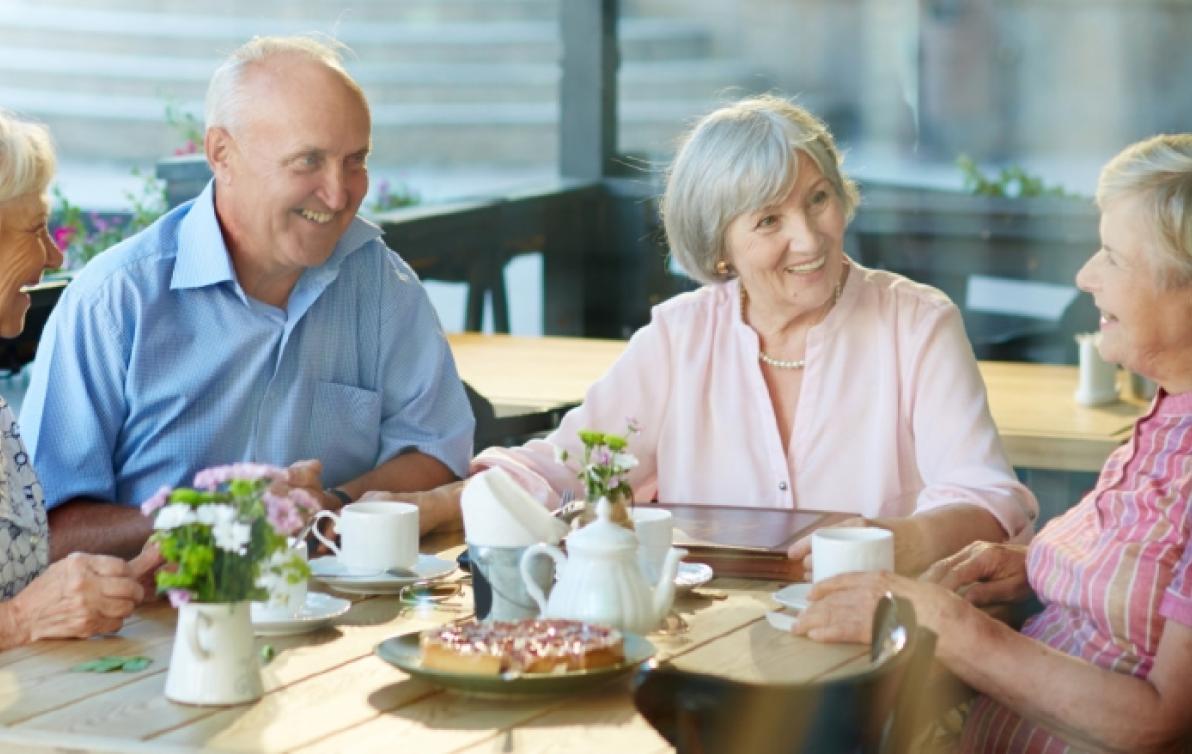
[[76, 597], [984, 573], [841, 608]]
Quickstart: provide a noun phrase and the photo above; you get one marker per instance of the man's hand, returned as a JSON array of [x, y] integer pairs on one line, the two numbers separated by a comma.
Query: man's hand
[[307, 475], [437, 509], [984, 573], [144, 569], [77, 597]]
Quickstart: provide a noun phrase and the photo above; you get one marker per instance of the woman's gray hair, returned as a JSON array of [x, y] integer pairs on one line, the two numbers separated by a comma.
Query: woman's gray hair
[[227, 97], [1158, 171], [741, 158], [26, 157]]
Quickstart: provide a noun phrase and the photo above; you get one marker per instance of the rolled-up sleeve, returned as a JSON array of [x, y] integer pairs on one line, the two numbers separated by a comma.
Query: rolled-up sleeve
[[959, 452], [423, 405]]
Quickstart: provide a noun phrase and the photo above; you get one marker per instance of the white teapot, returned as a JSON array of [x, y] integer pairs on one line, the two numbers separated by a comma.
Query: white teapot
[[600, 581]]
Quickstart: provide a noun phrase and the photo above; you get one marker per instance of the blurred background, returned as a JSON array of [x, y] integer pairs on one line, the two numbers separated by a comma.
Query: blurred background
[[1036, 94]]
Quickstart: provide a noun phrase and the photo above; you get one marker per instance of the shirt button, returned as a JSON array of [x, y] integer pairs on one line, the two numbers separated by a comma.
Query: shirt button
[[782, 486], [34, 538]]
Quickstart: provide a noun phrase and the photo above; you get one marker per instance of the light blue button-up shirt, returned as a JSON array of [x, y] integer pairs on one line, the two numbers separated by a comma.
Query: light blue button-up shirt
[[155, 364]]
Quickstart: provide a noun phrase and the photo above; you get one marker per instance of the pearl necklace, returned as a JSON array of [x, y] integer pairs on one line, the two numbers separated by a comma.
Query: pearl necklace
[[769, 360]]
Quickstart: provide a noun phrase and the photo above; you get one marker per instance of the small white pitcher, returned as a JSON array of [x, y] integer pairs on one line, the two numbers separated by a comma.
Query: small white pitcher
[[214, 660]]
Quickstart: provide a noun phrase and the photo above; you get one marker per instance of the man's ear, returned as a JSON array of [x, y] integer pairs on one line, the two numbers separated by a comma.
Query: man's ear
[[217, 145]]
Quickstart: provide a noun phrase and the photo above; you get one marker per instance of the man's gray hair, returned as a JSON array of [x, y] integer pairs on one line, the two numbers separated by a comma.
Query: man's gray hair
[[26, 157], [741, 158], [1158, 171], [227, 97]]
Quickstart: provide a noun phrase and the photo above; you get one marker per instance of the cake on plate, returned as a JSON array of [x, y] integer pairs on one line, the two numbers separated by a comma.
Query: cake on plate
[[526, 646]]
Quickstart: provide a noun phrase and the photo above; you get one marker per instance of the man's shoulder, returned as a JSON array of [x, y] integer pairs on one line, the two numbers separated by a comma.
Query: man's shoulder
[[142, 259]]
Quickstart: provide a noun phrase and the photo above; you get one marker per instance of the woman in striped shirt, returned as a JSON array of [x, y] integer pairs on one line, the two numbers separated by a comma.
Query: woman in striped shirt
[[1107, 663]]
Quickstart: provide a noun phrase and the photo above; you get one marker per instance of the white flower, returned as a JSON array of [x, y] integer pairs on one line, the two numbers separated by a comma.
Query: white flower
[[174, 515], [216, 514], [624, 461], [232, 536]]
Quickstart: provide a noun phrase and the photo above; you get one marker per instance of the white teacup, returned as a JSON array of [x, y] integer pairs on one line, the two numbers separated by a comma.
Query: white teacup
[[845, 549], [374, 536], [655, 532], [286, 600]]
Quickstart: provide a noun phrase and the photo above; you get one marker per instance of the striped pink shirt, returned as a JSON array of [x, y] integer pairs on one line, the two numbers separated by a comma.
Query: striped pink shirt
[[1112, 570]]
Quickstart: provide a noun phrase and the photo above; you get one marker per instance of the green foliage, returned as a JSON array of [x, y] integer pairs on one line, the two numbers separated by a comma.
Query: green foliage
[[606, 465], [1010, 182], [83, 235], [134, 664]]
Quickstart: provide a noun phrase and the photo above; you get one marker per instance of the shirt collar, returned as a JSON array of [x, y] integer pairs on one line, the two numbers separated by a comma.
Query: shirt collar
[[202, 257]]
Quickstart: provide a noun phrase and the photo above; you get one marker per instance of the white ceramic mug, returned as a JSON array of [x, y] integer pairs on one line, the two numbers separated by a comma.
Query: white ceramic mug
[[655, 529], [374, 536], [847, 549]]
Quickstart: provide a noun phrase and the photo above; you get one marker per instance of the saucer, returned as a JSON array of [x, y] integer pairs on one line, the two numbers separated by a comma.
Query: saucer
[[691, 575], [793, 596], [318, 611], [334, 574]]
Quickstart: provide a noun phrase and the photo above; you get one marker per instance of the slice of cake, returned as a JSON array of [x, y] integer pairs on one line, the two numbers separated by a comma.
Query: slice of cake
[[526, 646]]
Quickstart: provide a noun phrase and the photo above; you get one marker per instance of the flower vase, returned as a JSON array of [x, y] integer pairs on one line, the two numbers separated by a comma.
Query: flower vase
[[618, 512], [214, 661]]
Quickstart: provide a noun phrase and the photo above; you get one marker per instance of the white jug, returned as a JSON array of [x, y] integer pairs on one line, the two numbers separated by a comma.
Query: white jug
[[214, 661], [599, 581]]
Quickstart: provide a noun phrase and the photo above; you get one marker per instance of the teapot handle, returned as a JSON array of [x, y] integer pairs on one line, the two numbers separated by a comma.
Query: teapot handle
[[532, 587]]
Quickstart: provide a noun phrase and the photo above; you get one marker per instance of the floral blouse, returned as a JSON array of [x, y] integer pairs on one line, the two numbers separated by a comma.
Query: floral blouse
[[24, 532]]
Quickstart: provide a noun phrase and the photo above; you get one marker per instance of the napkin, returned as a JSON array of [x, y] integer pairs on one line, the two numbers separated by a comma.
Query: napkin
[[499, 513]]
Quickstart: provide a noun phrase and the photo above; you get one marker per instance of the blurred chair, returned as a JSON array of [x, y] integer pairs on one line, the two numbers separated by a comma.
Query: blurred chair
[[877, 710]]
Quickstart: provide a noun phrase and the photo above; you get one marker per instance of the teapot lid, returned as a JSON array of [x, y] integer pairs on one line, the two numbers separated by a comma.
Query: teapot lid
[[602, 535]]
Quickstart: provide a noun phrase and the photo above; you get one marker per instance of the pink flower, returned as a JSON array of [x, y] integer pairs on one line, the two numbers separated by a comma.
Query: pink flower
[[305, 501], [281, 512], [63, 235], [159, 498], [209, 479], [179, 597]]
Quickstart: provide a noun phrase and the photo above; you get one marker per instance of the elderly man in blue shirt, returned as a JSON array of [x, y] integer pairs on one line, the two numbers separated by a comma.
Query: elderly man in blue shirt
[[262, 321]]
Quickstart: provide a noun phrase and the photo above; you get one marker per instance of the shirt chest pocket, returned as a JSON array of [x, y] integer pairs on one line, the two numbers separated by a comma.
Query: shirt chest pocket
[[345, 430]]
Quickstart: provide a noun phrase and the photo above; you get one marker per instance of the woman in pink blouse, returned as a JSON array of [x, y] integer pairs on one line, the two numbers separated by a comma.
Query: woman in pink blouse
[[794, 378], [1106, 664]]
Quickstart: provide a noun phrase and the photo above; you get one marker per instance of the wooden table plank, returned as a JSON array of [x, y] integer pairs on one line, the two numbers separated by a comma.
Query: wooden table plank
[[140, 710]]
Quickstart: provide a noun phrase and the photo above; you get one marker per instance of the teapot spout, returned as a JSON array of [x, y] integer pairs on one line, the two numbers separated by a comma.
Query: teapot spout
[[664, 590]]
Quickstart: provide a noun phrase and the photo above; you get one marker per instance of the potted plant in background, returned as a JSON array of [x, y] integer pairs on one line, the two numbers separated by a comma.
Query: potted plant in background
[[225, 542]]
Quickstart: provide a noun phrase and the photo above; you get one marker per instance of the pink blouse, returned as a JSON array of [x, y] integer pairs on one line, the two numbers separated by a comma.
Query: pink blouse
[[892, 415], [1112, 570]]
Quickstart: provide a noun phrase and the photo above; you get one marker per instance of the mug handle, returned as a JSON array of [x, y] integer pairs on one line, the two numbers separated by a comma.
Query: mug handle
[[532, 587], [314, 529]]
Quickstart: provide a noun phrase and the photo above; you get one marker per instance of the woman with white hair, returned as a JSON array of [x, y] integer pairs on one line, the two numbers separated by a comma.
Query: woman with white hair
[[82, 594], [1105, 665], [794, 378]]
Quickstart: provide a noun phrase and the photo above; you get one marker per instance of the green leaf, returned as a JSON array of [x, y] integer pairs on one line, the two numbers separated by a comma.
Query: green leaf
[[137, 664], [112, 663]]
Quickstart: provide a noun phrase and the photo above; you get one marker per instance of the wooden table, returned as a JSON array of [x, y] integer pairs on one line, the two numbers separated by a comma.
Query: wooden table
[[327, 692], [1041, 426]]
